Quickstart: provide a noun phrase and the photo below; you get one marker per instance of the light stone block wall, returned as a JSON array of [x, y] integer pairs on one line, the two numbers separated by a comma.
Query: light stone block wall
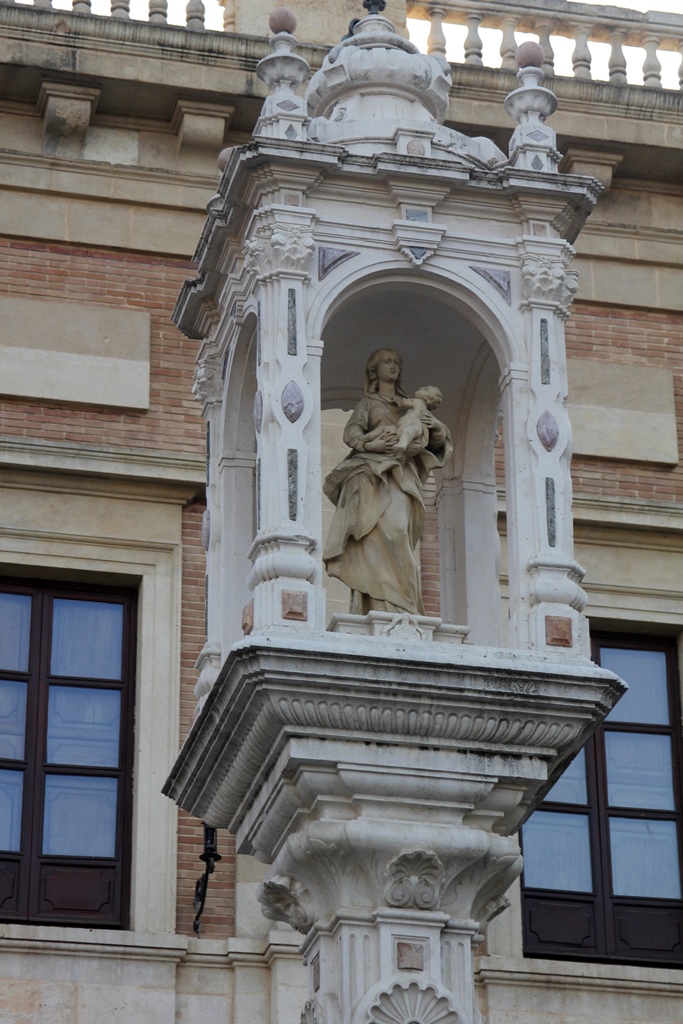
[[73, 352], [622, 411]]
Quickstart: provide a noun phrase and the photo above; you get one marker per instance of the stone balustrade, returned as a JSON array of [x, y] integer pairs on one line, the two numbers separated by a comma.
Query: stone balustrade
[[582, 23], [158, 11]]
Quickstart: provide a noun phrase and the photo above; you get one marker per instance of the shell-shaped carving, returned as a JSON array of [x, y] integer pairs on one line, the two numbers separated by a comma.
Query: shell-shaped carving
[[547, 430], [412, 1005], [292, 401], [258, 411]]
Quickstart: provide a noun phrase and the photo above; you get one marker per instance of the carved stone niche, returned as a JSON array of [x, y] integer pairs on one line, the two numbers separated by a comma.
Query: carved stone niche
[[385, 793]]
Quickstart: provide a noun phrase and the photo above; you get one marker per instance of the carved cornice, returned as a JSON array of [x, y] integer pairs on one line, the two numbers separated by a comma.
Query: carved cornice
[[268, 693]]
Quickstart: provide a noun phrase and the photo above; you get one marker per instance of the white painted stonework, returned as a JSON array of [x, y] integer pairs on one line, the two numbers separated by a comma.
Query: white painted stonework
[[380, 772]]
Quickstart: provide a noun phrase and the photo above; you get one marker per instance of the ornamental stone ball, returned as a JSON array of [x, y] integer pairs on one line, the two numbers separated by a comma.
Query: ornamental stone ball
[[282, 19], [530, 55]]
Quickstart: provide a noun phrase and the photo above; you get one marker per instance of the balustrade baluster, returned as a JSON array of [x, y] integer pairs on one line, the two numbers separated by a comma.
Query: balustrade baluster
[[680, 69], [473, 43], [581, 57], [436, 42], [81, 7], [120, 9], [46, 5], [229, 16], [617, 60], [195, 12], [543, 31], [158, 11], [652, 69], [508, 45]]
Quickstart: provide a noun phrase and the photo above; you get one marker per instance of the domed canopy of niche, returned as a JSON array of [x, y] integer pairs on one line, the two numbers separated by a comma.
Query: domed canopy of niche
[[439, 345]]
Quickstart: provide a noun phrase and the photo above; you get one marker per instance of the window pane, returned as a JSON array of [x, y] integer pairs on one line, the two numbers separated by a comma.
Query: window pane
[[80, 816], [12, 719], [15, 626], [639, 770], [11, 785], [83, 726], [87, 639], [645, 858], [570, 788], [557, 852], [645, 672]]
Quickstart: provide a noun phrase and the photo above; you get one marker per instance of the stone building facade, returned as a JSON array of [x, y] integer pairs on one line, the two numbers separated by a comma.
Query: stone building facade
[[111, 129]]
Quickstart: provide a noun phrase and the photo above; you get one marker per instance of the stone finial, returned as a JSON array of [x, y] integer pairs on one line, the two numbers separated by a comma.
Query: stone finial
[[284, 113], [533, 143], [530, 55], [282, 19]]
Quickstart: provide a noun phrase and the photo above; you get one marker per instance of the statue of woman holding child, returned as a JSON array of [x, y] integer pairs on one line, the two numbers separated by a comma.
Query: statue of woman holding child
[[396, 442]]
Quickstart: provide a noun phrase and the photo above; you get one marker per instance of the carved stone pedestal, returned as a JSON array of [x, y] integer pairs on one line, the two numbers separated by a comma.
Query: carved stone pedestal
[[384, 786]]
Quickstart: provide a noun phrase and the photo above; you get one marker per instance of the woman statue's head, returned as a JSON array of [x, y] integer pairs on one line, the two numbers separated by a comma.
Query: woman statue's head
[[372, 367]]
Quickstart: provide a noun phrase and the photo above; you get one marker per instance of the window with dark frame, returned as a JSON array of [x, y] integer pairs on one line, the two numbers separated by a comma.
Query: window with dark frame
[[67, 660], [602, 873]]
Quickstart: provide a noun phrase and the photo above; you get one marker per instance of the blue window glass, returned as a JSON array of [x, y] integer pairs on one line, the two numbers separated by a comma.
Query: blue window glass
[[83, 726], [639, 770], [646, 700], [645, 858], [87, 639], [557, 852], [80, 816], [15, 627], [570, 788], [11, 792], [12, 719]]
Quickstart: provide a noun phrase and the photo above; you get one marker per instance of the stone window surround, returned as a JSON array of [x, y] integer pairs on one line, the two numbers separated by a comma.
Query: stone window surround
[[154, 568]]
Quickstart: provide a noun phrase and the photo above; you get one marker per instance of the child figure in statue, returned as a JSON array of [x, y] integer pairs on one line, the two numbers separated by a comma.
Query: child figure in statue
[[377, 490], [413, 432]]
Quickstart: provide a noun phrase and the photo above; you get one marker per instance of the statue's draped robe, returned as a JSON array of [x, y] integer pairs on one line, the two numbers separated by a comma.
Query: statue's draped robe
[[380, 512]]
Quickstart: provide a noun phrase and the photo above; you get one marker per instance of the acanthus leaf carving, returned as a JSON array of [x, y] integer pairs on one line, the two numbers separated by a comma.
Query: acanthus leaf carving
[[547, 280], [413, 880], [280, 900], [281, 248], [312, 1014]]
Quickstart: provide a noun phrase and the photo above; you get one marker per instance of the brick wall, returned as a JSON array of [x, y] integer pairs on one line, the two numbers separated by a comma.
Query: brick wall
[[117, 280], [218, 918], [172, 423]]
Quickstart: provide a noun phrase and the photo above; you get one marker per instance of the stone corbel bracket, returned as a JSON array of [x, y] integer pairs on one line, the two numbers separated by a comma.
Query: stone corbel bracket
[[67, 111], [200, 130], [417, 241], [591, 163]]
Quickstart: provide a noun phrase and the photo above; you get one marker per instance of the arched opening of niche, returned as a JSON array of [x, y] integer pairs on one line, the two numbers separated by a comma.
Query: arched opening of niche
[[236, 485], [460, 549]]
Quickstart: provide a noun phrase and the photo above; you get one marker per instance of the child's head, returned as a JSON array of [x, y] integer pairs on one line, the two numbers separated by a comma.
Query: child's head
[[430, 395]]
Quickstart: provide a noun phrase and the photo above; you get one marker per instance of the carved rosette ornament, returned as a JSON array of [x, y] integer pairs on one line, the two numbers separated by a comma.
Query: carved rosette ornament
[[547, 281], [414, 880], [280, 901], [413, 1004], [286, 247]]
